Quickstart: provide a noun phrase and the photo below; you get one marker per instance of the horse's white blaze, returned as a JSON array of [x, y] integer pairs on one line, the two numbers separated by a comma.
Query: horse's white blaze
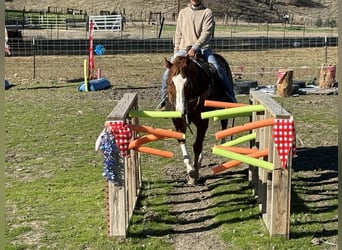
[[186, 158], [179, 82]]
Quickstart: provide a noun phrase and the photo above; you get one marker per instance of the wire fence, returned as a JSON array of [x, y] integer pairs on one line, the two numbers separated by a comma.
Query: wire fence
[[251, 55]]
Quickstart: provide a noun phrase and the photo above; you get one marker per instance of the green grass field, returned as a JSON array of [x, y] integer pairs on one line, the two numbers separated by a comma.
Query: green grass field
[[55, 189]]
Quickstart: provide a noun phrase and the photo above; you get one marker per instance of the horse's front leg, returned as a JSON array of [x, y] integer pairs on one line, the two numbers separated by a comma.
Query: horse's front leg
[[181, 127], [202, 127], [187, 159]]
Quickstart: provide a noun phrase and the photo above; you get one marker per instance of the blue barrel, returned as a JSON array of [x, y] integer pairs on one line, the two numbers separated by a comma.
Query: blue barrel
[[96, 84]]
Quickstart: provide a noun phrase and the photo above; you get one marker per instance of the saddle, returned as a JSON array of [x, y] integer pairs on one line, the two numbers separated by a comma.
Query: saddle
[[208, 68], [211, 72]]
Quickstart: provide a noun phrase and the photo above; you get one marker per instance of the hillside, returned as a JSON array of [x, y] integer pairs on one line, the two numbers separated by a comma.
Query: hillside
[[300, 11]]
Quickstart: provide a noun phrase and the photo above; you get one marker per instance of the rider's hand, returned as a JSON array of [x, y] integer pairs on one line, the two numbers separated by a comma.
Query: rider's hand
[[192, 52]]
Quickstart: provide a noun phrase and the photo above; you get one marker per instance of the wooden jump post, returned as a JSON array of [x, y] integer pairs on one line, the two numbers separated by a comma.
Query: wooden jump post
[[121, 197], [272, 188], [123, 192]]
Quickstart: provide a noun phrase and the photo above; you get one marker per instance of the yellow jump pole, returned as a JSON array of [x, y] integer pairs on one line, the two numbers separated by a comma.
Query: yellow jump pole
[[240, 140], [243, 158], [234, 163], [232, 111], [85, 75], [155, 114]]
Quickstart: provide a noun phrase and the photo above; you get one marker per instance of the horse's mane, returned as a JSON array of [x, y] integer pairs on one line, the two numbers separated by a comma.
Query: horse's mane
[[180, 66]]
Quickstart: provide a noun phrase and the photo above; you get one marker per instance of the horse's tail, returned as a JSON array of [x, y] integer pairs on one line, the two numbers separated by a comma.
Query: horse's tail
[[230, 94], [226, 66]]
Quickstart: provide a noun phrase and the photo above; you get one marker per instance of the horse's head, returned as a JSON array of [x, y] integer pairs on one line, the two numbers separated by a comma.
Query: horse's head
[[183, 83], [176, 82]]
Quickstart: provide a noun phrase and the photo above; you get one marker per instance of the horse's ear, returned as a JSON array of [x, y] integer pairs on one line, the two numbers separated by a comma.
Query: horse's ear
[[168, 64]]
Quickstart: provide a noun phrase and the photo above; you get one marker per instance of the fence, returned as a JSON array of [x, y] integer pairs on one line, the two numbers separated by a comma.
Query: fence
[[165, 45], [272, 188], [252, 58], [106, 22], [121, 197]]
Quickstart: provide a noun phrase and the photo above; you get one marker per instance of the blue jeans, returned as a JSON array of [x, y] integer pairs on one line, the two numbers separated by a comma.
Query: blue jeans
[[208, 56]]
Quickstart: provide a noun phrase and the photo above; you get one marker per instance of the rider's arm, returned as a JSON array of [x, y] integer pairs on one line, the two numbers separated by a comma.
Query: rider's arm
[[178, 34]]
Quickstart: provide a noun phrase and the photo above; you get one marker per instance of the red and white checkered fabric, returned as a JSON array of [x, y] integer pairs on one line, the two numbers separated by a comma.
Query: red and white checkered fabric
[[122, 134], [284, 138]]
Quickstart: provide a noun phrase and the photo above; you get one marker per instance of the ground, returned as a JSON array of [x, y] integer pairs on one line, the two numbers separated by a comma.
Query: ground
[[315, 169], [314, 178]]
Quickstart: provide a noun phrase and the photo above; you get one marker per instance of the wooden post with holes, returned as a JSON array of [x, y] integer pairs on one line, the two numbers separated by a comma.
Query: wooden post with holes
[[272, 188], [284, 83], [122, 195], [327, 76]]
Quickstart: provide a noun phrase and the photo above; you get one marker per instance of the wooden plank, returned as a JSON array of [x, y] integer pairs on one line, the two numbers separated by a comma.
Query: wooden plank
[[317, 91], [268, 198], [122, 108], [280, 203], [117, 215], [273, 107], [121, 196], [253, 171], [264, 174], [278, 183]]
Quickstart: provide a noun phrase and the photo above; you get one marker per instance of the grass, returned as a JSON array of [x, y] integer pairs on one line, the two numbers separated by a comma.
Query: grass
[[55, 189]]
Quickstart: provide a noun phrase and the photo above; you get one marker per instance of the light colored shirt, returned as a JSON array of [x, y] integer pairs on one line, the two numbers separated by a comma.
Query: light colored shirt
[[194, 28]]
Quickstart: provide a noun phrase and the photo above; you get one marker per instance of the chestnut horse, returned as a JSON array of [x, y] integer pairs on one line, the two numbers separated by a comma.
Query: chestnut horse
[[189, 84]]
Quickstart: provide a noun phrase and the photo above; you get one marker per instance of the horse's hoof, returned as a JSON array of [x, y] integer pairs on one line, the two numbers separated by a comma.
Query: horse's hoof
[[192, 173], [191, 181]]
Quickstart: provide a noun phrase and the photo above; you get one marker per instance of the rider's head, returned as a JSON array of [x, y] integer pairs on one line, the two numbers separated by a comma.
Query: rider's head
[[195, 3]]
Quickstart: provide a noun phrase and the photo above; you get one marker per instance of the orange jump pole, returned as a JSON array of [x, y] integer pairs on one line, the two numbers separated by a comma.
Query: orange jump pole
[[157, 131], [234, 163], [217, 104], [143, 140], [154, 151], [245, 127]]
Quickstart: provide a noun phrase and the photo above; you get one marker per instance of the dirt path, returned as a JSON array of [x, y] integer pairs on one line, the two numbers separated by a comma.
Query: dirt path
[[196, 228]]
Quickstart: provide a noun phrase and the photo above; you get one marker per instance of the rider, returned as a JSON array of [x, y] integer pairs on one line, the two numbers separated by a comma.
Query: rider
[[194, 28]]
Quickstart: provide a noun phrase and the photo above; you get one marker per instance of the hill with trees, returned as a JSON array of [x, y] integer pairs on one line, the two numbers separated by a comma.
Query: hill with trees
[[255, 11]]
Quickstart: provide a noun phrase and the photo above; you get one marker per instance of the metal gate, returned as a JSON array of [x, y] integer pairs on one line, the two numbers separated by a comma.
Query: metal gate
[[106, 22]]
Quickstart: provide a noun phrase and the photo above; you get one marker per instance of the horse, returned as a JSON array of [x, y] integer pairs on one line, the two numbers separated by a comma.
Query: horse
[[189, 84]]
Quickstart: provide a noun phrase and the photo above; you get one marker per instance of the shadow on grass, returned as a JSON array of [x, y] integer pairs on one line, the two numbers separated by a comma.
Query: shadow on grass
[[236, 200], [44, 87], [313, 201], [314, 192]]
